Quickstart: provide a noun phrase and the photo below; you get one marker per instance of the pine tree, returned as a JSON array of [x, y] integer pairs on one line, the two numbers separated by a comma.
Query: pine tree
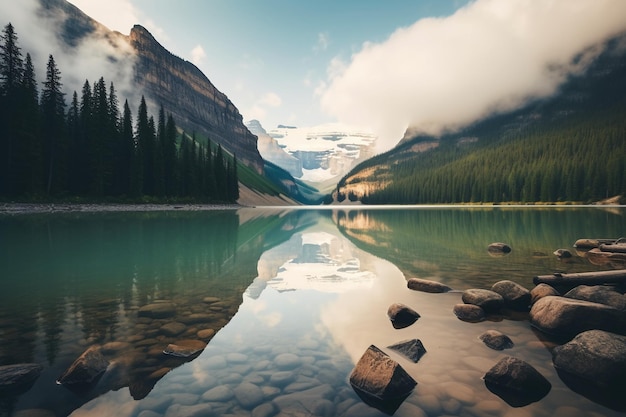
[[29, 160], [128, 162]]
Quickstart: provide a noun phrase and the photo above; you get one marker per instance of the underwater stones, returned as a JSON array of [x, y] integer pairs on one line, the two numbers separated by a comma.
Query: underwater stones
[[157, 310], [595, 356], [84, 370], [496, 340], [173, 329], [18, 375], [248, 395], [378, 378], [488, 300], [514, 295], [220, 393], [469, 313], [205, 334], [567, 317], [401, 315], [184, 348], [412, 349], [287, 361], [498, 249], [516, 382], [425, 285]]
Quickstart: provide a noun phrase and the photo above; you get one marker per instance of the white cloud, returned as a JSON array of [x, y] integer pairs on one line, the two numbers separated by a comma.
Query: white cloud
[[323, 40], [198, 55], [118, 15], [261, 106], [271, 99], [444, 73]]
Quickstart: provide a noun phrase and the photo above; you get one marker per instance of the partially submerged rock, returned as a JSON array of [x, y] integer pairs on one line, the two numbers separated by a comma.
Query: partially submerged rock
[[413, 349], [157, 310], [562, 253], [514, 295], [498, 249], [425, 285], [18, 376], [567, 317], [496, 340], [401, 315], [185, 348], [380, 381], [86, 369], [488, 300], [516, 382], [469, 313]]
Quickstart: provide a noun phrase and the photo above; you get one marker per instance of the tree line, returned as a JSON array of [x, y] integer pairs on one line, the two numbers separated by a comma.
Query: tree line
[[91, 149]]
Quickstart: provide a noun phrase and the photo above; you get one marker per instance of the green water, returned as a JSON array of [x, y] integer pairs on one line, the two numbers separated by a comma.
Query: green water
[[288, 301]]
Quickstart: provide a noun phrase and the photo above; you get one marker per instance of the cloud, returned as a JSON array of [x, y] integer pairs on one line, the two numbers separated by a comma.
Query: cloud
[[323, 40], [118, 15], [490, 56], [198, 55], [260, 107]]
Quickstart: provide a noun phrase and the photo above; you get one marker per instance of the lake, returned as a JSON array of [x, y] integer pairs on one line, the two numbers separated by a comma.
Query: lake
[[288, 301]]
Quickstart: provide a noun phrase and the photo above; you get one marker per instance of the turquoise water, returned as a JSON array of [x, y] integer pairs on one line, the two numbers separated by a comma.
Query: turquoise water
[[286, 300]]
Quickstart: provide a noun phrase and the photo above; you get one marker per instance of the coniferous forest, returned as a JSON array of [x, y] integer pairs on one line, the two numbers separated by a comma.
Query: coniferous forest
[[87, 147]]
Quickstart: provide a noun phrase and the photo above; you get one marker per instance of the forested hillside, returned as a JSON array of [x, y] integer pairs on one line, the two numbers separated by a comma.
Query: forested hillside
[[571, 147], [91, 149]]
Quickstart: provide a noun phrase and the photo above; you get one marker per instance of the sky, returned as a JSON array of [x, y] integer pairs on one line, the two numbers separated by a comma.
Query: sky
[[430, 66]]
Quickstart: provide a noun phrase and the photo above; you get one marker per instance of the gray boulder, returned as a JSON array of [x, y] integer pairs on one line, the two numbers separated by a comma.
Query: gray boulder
[[412, 349], [596, 356], [86, 369], [157, 310], [515, 296], [380, 381], [516, 382], [598, 294], [18, 376], [496, 340], [401, 315], [248, 395], [425, 285], [540, 291], [488, 300], [567, 317], [469, 313]]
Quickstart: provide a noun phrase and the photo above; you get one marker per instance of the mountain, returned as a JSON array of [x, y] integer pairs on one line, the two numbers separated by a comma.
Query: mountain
[[271, 151], [569, 147]]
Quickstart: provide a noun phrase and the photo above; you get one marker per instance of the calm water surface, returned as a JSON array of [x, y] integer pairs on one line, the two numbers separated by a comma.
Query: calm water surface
[[288, 301]]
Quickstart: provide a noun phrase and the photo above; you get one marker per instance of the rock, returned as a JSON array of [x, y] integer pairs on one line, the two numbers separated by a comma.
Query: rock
[[21, 375], [265, 410], [380, 381], [282, 378], [598, 294], [469, 312], [198, 410], [184, 348], [402, 316], [173, 329], [515, 296], [287, 361], [489, 301], [498, 249], [540, 291], [86, 369], [157, 310], [248, 395], [562, 253], [567, 317], [496, 340], [205, 334], [220, 393], [412, 349], [596, 356], [516, 382], [425, 285], [308, 402]]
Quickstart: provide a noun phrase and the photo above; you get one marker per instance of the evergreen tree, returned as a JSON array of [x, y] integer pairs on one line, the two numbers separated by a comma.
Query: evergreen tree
[[170, 168], [128, 162], [29, 156], [53, 120], [146, 145]]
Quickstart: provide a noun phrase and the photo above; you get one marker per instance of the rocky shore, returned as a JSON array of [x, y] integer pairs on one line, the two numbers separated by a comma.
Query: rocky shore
[[26, 208]]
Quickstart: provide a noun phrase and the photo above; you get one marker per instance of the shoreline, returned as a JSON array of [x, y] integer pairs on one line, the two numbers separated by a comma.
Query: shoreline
[[34, 208]]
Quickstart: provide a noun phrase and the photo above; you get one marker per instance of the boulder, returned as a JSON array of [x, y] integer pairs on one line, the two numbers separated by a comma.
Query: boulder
[[173, 328], [184, 348], [515, 296], [86, 369], [540, 291], [498, 249], [469, 313], [489, 301], [157, 310], [567, 317], [380, 381], [248, 395], [562, 253], [21, 375], [598, 294], [596, 356], [412, 349], [402, 316], [425, 285], [516, 382], [496, 340]]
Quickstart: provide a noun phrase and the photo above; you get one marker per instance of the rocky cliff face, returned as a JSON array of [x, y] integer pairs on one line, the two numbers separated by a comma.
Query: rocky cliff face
[[271, 151], [183, 90]]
